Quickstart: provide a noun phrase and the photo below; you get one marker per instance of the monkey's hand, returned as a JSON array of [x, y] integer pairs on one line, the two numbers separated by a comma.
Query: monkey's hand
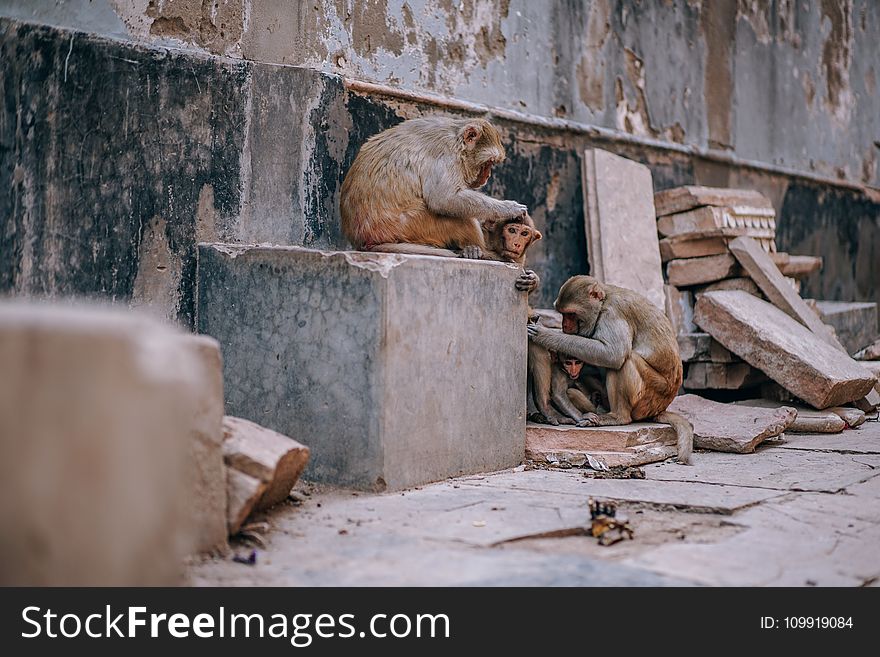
[[540, 334], [471, 252], [589, 420], [527, 281], [510, 210]]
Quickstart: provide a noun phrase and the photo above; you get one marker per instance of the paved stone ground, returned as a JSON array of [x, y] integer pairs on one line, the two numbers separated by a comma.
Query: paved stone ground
[[806, 512]]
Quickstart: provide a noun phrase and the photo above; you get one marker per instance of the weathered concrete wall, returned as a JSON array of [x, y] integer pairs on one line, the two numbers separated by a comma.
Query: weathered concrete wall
[[120, 157], [740, 75]]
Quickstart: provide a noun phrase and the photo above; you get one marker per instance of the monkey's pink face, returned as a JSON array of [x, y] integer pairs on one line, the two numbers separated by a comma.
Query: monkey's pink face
[[569, 323], [573, 367], [484, 174]]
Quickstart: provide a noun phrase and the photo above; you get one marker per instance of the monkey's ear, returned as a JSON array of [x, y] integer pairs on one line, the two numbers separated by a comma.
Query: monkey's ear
[[596, 292], [471, 134], [537, 236]]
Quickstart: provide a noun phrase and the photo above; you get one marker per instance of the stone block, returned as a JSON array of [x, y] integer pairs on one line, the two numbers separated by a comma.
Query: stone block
[[808, 420], [99, 412], [243, 492], [266, 455], [786, 351], [781, 294], [680, 309], [398, 370], [698, 271], [631, 444], [741, 202], [731, 428], [871, 352], [702, 348], [721, 376], [796, 266], [743, 284], [855, 323], [621, 227]]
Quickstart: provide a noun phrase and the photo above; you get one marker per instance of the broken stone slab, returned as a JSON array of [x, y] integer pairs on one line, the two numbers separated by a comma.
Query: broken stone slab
[[99, 410], [343, 347], [797, 266], [707, 219], [871, 352], [621, 228], [786, 351], [731, 428], [702, 347], [808, 420], [768, 277], [870, 402], [739, 202], [852, 416], [697, 271], [722, 376], [872, 366], [855, 323], [207, 476], [704, 242], [743, 284], [631, 444], [243, 493], [680, 309], [266, 455]]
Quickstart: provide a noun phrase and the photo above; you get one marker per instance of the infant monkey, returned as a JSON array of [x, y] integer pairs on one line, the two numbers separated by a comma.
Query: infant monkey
[[576, 391], [507, 240]]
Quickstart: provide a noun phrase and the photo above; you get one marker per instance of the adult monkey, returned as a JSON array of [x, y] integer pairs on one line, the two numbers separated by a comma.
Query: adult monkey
[[623, 332], [413, 188]]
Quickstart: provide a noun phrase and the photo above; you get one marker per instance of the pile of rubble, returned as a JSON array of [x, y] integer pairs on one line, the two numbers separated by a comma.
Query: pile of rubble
[[734, 302]]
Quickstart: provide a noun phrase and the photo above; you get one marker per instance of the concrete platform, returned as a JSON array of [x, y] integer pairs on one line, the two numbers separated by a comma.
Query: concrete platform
[[632, 444], [394, 370]]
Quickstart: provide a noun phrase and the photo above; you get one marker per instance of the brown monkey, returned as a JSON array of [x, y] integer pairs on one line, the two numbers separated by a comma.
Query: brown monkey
[[507, 240], [575, 390], [620, 330], [413, 188]]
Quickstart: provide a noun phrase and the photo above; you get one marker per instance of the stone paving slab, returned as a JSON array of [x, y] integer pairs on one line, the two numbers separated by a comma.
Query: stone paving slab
[[780, 469], [809, 539], [676, 494], [852, 441]]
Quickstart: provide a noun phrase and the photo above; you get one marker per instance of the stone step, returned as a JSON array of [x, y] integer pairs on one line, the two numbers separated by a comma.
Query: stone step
[[395, 370], [626, 445]]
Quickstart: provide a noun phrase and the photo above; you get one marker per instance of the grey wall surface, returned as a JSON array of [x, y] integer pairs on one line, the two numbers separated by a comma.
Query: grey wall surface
[[121, 154]]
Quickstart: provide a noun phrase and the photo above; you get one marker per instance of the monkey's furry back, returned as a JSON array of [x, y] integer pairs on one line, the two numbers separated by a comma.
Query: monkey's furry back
[[385, 180]]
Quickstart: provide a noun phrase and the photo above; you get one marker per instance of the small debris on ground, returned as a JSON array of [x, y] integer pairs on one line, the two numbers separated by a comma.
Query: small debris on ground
[[605, 526], [617, 472], [249, 560]]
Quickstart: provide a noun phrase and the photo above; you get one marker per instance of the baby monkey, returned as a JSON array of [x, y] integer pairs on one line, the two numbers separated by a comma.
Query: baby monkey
[[508, 240], [575, 390]]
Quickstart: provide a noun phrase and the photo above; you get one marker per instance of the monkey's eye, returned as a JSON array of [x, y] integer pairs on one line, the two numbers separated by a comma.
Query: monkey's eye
[[525, 233], [511, 230]]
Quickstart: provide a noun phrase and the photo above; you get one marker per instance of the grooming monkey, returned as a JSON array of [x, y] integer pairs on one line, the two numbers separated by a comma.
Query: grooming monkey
[[620, 330], [413, 188]]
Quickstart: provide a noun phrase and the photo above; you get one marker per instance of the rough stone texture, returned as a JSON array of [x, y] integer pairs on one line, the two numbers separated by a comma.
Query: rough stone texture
[[848, 442], [207, 475], [728, 427], [377, 358], [681, 199], [742, 284], [854, 323], [242, 492], [722, 376], [757, 222], [808, 420], [621, 235], [799, 266], [852, 416], [680, 309], [632, 444], [873, 367], [273, 459], [694, 247], [98, 411], [768, 277], [870, 353], [787, 352], [701, 347], [697, 271]]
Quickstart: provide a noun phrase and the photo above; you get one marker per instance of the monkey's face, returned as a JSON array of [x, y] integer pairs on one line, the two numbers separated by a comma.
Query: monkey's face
[[516, 238], [580, 302], [573, 367], [481, 150], [569, 323]]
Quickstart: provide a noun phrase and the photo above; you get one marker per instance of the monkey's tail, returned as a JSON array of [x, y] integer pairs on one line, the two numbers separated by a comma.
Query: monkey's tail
[[683, 430]]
